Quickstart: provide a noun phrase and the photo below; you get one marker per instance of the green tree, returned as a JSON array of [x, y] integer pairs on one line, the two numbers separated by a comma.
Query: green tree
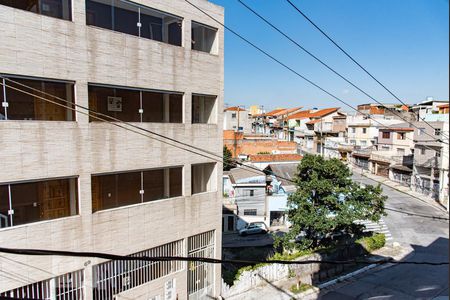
[[228, 161], [327, 200]]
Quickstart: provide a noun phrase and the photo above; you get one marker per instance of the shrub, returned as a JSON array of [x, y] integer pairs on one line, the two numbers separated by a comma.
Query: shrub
[[296, 289], [372, 243]]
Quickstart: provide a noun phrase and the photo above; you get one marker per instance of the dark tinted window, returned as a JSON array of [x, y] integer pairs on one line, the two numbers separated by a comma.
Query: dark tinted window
[[61, 9], [203, 38]]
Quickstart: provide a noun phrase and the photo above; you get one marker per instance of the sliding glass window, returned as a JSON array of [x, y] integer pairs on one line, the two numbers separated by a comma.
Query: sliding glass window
[[36, 99], [135, 105], [138, 20], [204, 38], [204, 109], [23, 203], [122, 189], [61, 9]]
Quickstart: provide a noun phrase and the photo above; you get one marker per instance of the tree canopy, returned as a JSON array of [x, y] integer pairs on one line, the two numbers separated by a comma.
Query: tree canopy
[[228, 162], [327, 201]]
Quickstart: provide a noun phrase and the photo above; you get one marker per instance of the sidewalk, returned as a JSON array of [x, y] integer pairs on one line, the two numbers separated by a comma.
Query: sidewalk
[[401, 188]]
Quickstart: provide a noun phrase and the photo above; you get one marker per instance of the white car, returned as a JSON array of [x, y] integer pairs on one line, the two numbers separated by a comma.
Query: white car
[[254, 228]]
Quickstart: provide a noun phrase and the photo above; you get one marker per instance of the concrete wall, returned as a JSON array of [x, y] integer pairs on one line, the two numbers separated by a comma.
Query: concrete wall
[[34, 45], [230, 123]]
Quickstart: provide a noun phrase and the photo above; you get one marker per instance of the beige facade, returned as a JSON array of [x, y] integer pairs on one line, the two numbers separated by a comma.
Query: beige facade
[[44, 47]]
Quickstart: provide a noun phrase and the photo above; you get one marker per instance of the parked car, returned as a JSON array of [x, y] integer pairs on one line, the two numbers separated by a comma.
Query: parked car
[[254, 228]]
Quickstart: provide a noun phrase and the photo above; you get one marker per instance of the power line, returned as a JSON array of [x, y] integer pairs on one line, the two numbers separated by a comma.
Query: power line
[[251, 168], [42, 252], [321, 61], [350, 57], [284, 65]]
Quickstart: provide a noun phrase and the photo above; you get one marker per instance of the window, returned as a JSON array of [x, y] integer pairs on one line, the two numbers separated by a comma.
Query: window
[[201, 274], [353, 130], [135, 19], [203, 109], [202, 178], [364, 130], [437, 131], [114, 277], [17, 105], [437, 153], [250, 212], [134, 105], [60, 9], [204, 38], [122, 189], [363, 143], [23, 203], [353, 142], [385, 148], [400, 151], [233, 115], [422, 151], [401, 136], [386, 135], [240, 128], [252, 193]]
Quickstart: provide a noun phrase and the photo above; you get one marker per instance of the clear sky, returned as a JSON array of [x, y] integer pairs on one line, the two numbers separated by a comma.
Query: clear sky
[[404, 43]]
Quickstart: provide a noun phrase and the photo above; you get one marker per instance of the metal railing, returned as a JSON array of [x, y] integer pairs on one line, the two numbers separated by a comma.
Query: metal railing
[[201, 274]]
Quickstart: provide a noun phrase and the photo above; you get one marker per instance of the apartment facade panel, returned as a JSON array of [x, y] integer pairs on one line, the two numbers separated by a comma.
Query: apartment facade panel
[[38, 150]]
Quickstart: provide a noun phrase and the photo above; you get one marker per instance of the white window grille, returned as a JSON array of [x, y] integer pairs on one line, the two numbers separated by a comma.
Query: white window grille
[[201, 274], [68, 287], [113, 277]]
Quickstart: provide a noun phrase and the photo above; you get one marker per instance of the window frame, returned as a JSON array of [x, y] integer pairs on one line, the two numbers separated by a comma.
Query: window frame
[[70, 12], [215, 48]]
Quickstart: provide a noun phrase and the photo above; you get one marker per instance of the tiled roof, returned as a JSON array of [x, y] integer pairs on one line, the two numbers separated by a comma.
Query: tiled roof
[[275, 111], [234, 108], [275, 157], [323, 112], [313, 121], [299, 115], [282, 111]]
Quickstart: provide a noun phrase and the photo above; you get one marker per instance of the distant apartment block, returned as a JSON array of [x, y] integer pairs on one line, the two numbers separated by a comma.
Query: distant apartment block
[[238, 119], [71, 181]]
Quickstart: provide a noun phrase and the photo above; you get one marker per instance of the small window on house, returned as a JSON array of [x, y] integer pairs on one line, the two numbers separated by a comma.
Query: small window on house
[[401, 135], [353, 142], [204, 38], [353, 130], [386, 135], [250, 212], [60, 9], [202, 178], [233, 115], [23, 203], [364, 130], [32, 104], [240, 128], [438, 153], [128, 188], [437, 131], [204, 109], [252, 193], [363, 143], [400, 151], [422, 151]]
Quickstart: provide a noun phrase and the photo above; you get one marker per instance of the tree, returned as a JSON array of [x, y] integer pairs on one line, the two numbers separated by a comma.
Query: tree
[[228, 162], [328, 201]]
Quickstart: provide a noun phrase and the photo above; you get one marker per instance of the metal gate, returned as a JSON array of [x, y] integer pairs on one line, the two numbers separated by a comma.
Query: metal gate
[[201, 274]]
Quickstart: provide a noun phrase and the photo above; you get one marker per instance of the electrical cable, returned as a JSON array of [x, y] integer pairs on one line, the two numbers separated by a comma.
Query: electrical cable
[[350, 57], [322, 62], [42, 252], [284, 65]]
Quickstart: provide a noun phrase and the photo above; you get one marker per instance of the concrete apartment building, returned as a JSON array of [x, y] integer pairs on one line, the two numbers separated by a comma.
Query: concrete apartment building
[[71, 182]]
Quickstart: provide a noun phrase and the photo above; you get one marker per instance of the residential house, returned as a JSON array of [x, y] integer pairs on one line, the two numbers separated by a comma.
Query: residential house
[[443, 109], [431, 160], [245, 188], [261, 161], [388, 111], [70, 181], [238, 119], [274, 123], [394, 155], [282, 184], [427, 107]]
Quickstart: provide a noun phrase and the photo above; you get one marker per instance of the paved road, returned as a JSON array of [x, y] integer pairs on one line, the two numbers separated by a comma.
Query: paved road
[[429, 240]]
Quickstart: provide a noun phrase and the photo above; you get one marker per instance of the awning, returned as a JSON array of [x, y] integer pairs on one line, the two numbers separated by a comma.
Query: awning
[[402, 168]]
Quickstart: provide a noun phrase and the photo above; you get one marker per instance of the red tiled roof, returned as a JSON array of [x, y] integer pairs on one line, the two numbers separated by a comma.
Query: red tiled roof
[[275, 111], [287, 111], [299, 115], [234, 108], [324, 112], [275, 157]]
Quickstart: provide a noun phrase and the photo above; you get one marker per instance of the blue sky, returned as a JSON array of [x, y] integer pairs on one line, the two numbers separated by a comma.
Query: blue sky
[[404, 43]]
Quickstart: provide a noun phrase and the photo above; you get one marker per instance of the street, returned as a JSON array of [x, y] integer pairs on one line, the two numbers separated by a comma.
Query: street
[[428, 239]]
